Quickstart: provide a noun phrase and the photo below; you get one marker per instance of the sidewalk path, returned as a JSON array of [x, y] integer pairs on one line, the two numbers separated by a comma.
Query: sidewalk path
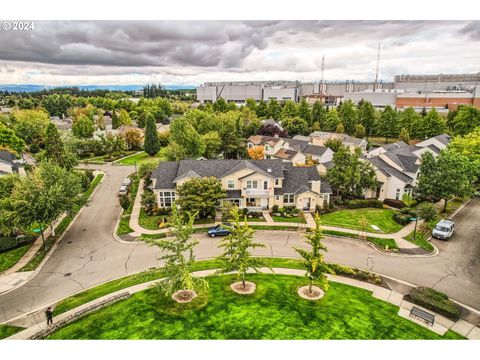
[[398, 236], [441, 326]]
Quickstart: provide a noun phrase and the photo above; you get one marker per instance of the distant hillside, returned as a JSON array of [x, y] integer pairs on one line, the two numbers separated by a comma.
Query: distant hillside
[[33, 88]]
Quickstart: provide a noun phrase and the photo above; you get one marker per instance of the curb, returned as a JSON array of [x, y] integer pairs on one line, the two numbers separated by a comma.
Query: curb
[[200, 273], [57, 243]]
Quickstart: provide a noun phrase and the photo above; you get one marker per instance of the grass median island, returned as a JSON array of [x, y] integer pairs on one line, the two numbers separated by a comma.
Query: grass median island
[[11, 257], [274, 311], [137, 158], [350, 218], [9, 330], [382, 243], [61, 227]]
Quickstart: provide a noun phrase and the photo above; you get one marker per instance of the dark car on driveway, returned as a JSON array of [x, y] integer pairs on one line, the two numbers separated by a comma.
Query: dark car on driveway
[[218, 230]]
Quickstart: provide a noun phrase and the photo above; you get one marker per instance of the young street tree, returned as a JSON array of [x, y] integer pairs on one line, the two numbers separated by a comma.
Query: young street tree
[[350, 175], [236, 256], [447, 176], [179, 258], [312, 260], [151, 144], [200, 195]]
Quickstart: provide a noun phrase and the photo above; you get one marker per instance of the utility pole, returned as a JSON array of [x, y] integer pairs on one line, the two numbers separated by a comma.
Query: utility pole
[[378, 68]]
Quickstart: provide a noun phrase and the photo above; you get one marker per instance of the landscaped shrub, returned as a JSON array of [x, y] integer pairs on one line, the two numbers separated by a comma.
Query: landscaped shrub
[[124, 201], [402, 219], [368, 203], [427, 211], [147, 182], [337, 200], [255, 214], [275, 209], [12, 242], [435, 301], [398, 204], [149, 201]]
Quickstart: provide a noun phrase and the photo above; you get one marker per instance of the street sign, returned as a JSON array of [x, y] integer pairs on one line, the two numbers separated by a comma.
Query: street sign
[[37, 230], [413, 219]]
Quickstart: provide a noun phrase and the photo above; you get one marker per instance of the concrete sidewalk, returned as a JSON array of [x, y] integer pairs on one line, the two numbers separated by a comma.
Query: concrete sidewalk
[[441, 326], [310, 223]]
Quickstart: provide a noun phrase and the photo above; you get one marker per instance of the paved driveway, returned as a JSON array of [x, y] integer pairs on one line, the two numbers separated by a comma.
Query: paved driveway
[[88, 255]]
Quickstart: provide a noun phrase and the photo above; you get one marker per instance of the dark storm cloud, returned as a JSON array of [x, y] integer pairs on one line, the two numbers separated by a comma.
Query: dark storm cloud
[[222, 44]]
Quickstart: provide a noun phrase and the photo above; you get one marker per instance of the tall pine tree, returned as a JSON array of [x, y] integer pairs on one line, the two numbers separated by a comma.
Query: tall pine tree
[[151, 145]]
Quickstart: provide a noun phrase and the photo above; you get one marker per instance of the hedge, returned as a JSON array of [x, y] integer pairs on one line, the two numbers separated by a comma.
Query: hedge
[[402, 219], [12, 242], [435, 301], [368, 203], [398, 204]]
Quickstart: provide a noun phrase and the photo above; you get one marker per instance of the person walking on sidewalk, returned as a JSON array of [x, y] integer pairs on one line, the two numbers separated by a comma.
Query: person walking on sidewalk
[[49, 315]]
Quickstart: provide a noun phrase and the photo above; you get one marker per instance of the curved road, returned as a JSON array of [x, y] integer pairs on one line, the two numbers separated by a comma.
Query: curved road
[[89, 255]]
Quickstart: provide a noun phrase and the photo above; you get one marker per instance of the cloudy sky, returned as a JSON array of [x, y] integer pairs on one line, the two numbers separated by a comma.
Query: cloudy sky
[[191, 52]]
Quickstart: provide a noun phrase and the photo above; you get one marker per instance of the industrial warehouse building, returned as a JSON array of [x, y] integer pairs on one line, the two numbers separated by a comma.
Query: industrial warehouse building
[[419, 91]]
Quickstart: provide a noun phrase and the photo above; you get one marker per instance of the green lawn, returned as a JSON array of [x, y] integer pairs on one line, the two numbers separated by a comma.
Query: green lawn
[[11, 257], [420, 239], [137, 158], [383, 218], [149, 222], [275, 311], [296, 219], [385, 244], [8, 330]]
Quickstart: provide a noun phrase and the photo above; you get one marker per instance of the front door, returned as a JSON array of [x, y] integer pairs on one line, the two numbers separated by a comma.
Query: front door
[[264, 203], [306, 204]]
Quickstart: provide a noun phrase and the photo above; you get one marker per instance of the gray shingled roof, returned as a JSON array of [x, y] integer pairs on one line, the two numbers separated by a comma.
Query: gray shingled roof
[[435, 149], [6, 157], [443, 138], [395, 145], [344, 137], [315, 150], [404, 157], [167, 172], [388, 170]]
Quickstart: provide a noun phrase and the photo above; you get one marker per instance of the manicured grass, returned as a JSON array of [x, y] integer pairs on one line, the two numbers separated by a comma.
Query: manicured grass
[[350, 218], [94, 160], [421, 239], [137, 158], [262, 219], [60, 229], [296, 219], [8, 330], [11, 257], [274, 311], [382, 243], [123, 226], [149, 222]]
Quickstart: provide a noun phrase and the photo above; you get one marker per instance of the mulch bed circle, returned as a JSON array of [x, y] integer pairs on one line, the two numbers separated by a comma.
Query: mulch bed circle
[[240, 289], [184, 296], [316, 294]]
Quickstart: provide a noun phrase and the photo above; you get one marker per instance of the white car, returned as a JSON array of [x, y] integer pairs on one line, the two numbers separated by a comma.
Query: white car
[[443, 230], [126, 182], [123, 190]]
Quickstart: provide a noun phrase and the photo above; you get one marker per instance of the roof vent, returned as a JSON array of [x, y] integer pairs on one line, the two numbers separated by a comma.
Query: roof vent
[[269, 170]]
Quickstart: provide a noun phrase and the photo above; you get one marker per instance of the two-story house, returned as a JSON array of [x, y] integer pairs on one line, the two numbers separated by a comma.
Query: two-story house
[[252, 184], [293, 150], [397, 166]]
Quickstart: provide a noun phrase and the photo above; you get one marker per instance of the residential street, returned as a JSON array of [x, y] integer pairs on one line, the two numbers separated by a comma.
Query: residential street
[[89, 255]]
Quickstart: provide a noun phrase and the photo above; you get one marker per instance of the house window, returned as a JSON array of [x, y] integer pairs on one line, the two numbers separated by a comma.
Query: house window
[[231, 184], [288, 198], [252, 184], [397, 195], [267, 148], [277, 182], [277, 197], [166, 198], [265, 185], [250, 145]]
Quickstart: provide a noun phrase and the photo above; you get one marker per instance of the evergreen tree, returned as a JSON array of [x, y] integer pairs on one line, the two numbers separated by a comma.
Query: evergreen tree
[[318, 114], [367, 116], [151, 144], [55, 150], [387, 124], [115, 120], [348, 116], [304, 112], [404, 135]]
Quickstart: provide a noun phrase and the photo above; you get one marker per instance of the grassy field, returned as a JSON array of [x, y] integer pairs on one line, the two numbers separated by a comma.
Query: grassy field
[[8, 330], [274, 311], [383, 218], [11, 257], [297, 219], [137, 158]]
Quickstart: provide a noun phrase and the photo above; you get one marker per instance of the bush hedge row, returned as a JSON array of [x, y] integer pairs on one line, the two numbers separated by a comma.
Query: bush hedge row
[[435, 301]]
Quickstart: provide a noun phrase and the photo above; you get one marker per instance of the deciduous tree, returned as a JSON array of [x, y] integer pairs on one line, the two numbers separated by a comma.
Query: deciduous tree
[[256, 152], [200, 195]]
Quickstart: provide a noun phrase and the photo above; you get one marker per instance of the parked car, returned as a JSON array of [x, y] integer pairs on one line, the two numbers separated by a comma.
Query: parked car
[[218, 230], [127, 182], [123, 190], [443, 230]]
